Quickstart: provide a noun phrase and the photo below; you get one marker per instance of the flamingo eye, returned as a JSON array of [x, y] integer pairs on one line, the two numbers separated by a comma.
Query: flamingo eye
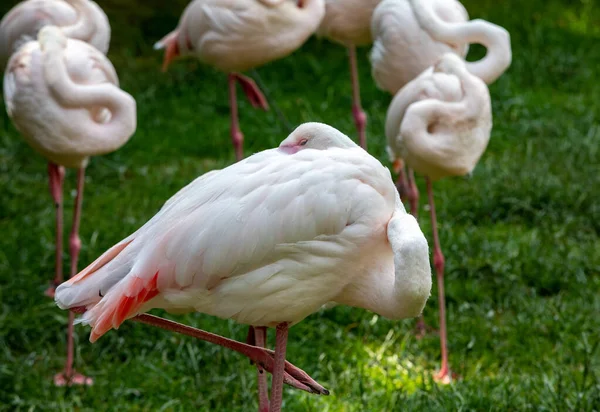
[[302, 142]]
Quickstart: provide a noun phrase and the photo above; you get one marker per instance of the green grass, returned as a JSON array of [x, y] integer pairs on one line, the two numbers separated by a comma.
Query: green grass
[[521, 236]]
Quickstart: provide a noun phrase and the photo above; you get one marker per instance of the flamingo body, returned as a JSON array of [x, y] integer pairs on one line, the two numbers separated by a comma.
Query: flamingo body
[[237, 35], [440, 122], [348, 22], [63, 96], [402, 48], [79, 19], [303, 225]]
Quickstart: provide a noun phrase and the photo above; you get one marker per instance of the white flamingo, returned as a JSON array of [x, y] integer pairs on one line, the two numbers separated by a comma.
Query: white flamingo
[[63, 96], [411, 35], [440, 124], [316, 220], [348, 22], [79, 19], [239, 35]]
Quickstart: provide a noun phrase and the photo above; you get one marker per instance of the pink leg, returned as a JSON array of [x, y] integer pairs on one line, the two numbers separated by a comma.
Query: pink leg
[[277, 383], [413, 194], [293, 375], [263, 393], [360, 117], [253, 93], [56, 176], [69, 376], [398, 168], [438, 262], [236, 134]]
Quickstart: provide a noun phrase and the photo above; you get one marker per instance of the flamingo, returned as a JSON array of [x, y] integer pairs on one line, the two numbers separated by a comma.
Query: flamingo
[[63, 96], [79, 19], [347, 22], [313, 221], [412, 35], [239, 35], [440, 123]]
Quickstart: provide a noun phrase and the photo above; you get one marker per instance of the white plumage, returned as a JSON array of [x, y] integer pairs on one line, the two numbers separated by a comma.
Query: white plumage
[[348, 22], [269, 240], [412, 35], [237, 35], [440, 122], [63, 96], [78, 19]]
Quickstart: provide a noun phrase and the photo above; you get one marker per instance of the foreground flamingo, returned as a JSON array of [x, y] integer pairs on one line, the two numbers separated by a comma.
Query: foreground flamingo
[[411, 35], [348, 22], [79, 19], [440, 124], [235, 36], [316, 220], [63, 96]]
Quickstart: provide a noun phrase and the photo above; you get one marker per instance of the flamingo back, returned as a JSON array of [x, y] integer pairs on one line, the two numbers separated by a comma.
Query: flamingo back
[[81, 19], [234, 35], [402, 49]]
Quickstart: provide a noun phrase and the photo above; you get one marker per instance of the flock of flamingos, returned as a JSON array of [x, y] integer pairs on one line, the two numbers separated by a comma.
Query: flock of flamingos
[[276, 236]]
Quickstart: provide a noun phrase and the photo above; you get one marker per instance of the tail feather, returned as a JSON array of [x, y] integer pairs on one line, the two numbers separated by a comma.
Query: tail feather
[[85, 288], [123, 302]]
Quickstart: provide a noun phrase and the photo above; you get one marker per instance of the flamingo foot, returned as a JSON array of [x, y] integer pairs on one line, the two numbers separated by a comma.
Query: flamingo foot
[[445, 376], [255, 96], [77, 379]]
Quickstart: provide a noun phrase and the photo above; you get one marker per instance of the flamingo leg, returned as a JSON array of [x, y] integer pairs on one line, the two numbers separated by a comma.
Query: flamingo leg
[[360, 117], [277, 383], [438, 262], [69, 376], [263, 393], [255, 96], [398, 168], [236, 134], [56, 175], [413, 194], [292, 375]]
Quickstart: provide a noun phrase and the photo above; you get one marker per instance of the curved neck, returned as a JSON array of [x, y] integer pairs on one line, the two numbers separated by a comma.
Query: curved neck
[[396, 280], [85, 25], [495, 38], [121, 105]]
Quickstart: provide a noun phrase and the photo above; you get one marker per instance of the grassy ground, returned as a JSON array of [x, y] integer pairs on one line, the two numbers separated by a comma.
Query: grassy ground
[[521, 236]]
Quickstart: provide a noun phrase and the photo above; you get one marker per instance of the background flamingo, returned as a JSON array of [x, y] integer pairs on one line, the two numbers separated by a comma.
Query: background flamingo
[[317, 220], [79, 19], [440, 123], [63, 96], [410, 36], [348, 22], [235, 36]]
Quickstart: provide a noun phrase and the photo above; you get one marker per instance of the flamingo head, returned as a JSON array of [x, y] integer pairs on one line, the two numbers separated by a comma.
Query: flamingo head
[[317, 136]]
